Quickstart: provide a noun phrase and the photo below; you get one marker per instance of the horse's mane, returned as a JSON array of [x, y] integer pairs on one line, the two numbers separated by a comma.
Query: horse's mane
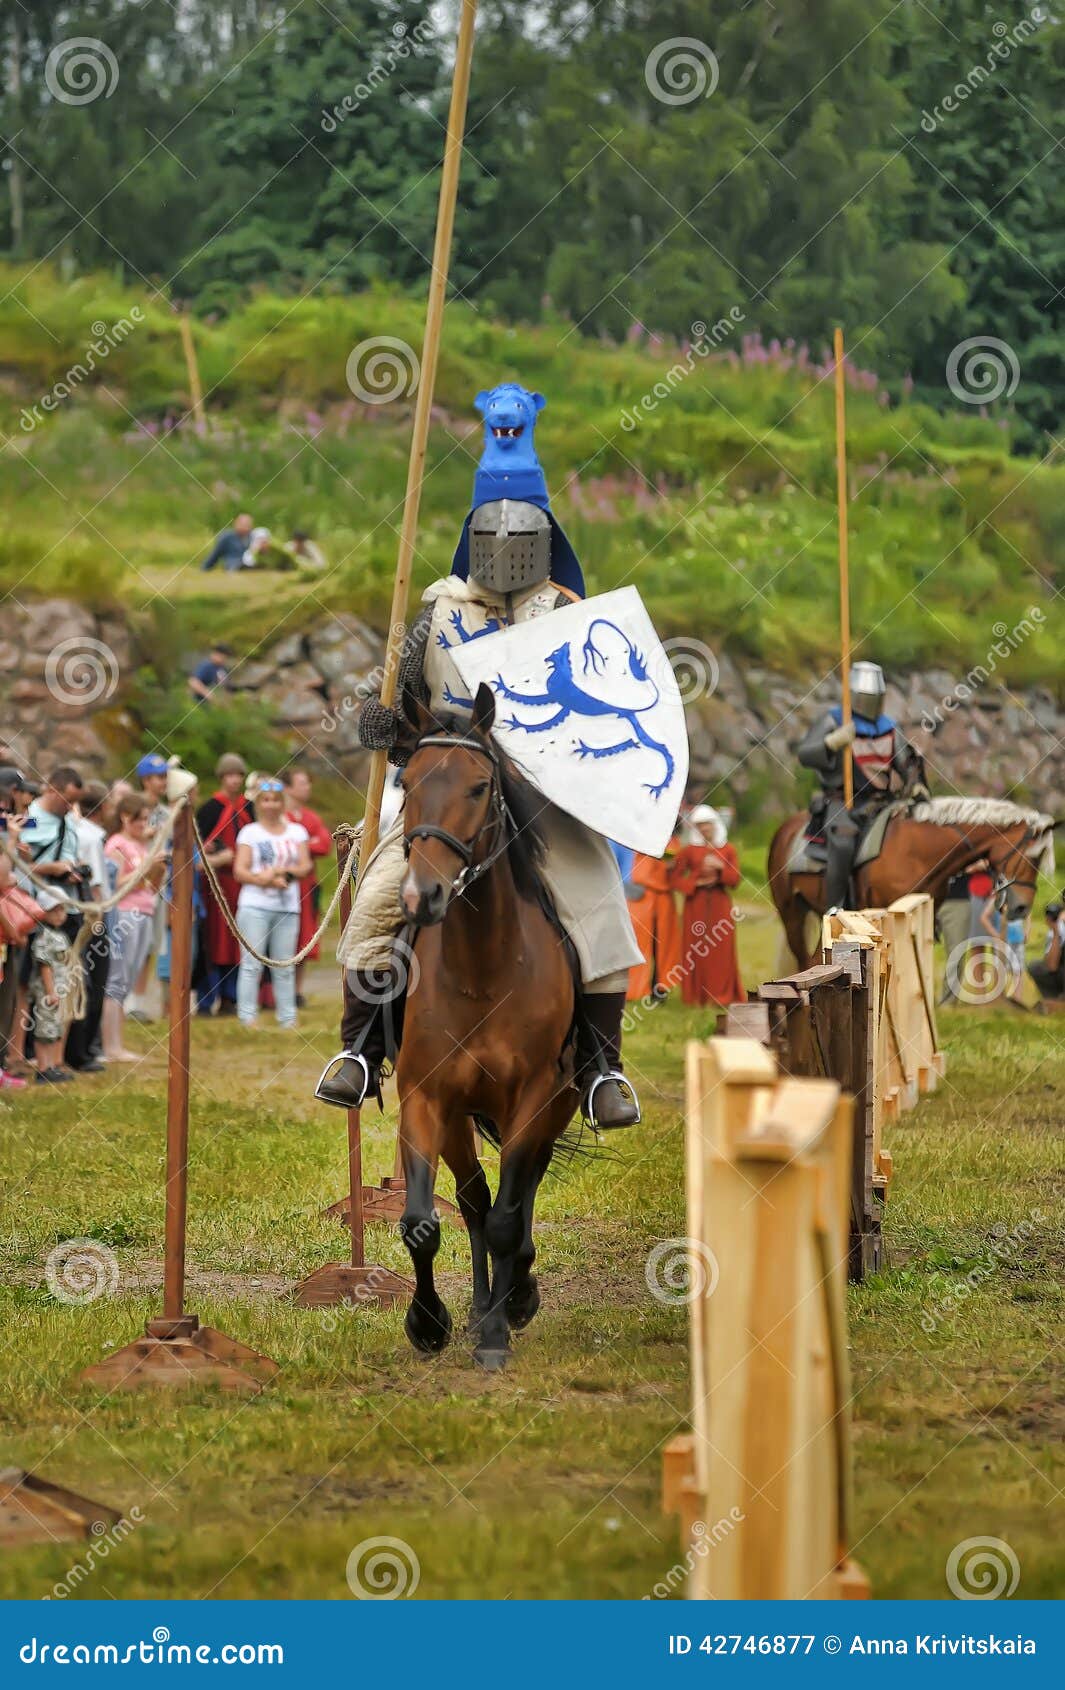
[[998, 812], [526, 848], [993, 812]]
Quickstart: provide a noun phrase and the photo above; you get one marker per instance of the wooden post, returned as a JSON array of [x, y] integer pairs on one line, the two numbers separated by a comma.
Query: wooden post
[[176, 1349], [177, 1072], [353, 1282], [434, 319], [844, 561], [193, 368], [772, 1460]]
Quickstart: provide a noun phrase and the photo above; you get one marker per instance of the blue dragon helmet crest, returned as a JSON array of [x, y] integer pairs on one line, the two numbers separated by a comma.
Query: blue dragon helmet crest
[[510, 469]]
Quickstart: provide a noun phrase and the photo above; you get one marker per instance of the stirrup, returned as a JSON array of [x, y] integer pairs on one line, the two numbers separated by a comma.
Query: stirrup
[[624, 1085], [346, 1081]]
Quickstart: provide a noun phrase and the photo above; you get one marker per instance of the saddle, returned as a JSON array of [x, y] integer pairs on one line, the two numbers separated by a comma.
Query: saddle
[[809, 853]]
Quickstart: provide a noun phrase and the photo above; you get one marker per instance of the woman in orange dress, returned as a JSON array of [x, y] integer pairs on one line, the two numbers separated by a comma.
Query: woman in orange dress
[[653, 913], [702, 873]]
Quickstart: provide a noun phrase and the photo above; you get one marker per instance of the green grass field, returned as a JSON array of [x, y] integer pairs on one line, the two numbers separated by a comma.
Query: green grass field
[[542, 1482]]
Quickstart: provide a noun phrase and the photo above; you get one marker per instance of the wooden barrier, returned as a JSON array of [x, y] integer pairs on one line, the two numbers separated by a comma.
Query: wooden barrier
[[866, 1018], [821, 1023], [909, 1061], [763, 1482], [786, 1178]]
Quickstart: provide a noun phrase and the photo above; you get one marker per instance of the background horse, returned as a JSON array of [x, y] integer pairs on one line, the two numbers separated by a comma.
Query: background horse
[[487, 1025], [922, 850]]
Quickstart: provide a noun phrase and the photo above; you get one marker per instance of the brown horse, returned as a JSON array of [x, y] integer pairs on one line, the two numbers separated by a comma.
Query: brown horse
[[921, 852], [487, 1023]]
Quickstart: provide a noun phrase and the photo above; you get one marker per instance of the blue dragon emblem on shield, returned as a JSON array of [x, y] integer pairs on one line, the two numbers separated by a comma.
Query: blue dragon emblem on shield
[[564, 690], [463, 636]]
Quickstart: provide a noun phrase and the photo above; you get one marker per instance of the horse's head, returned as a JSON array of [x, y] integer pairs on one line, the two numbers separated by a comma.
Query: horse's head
[[454, 809], [1016, 855]]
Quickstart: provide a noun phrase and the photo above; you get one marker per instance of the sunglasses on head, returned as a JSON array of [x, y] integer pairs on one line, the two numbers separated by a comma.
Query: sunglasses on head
[[271, 786]]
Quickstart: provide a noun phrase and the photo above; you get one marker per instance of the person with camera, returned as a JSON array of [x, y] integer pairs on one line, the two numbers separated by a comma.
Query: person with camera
[[48, 838], [273, 856], [1049, 972]]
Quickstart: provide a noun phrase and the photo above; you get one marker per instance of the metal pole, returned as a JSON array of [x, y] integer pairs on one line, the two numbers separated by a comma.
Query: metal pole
[[177, 1078], [844, 561]]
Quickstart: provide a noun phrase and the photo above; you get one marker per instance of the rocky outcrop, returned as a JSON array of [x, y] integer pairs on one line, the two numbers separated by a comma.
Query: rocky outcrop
[[65, 676]]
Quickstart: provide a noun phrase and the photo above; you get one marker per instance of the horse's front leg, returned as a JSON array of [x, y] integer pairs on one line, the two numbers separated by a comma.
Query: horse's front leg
[[524, 1296], [474, 1200], [428, 1323], [508, 1231]]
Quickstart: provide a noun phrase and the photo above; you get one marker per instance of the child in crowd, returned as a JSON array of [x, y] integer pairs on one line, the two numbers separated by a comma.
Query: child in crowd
[[131, 935], [49, 986]]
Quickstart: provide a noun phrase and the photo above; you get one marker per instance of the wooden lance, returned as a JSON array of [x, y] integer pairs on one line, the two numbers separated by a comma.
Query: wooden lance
[[387, 1202], [434, 318], [844, 561]]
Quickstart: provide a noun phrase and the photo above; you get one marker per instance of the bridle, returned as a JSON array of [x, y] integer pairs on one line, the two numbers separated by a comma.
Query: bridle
[[1003, 882], [496, 815]]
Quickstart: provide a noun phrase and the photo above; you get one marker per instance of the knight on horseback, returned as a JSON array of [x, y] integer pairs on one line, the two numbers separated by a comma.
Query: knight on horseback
[[513, 562], [885, 766]]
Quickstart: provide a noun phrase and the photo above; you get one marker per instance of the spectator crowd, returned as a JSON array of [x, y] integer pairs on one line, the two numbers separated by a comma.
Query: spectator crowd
[[71, 978]]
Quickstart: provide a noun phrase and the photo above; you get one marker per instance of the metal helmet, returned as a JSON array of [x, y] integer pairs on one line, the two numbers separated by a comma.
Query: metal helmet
[[510, 545], [868, 688]]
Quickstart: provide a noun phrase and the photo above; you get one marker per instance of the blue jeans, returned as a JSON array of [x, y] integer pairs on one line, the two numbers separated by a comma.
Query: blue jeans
[[274, 933]]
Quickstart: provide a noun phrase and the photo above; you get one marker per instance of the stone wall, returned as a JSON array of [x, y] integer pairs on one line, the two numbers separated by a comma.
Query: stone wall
[[64, 673]]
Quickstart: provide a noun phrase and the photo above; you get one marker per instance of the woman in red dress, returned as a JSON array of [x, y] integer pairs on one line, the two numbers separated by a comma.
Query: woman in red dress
[[219, 822], [702, 874], [297, 802]]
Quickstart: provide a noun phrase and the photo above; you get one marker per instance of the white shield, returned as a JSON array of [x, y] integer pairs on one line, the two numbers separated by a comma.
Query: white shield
[[588, 708]]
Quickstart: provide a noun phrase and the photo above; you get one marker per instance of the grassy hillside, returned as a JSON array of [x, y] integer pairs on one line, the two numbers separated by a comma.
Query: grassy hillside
[[718, 503]]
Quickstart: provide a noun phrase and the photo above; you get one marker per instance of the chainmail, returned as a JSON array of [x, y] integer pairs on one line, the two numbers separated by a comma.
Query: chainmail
[[379, 723]]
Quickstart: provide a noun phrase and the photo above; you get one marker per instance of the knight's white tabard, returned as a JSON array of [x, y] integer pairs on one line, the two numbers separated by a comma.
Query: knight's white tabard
[[589, 709]]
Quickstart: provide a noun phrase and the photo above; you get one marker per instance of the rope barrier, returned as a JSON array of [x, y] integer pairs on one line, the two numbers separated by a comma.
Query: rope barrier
[[350, 863]]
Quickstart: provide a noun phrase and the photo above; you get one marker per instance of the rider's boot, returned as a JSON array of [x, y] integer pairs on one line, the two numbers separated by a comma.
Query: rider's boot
[[354, 1074], [608, 1099], [841, 837]]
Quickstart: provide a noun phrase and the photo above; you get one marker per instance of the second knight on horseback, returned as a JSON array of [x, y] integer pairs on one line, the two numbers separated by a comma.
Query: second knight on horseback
[[885, 766]]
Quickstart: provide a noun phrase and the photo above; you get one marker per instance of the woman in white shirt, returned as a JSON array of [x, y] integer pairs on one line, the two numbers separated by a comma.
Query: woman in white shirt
[[272, 858]]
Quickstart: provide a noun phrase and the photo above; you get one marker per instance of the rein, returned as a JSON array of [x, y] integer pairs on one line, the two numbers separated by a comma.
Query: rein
[[496, 814]]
